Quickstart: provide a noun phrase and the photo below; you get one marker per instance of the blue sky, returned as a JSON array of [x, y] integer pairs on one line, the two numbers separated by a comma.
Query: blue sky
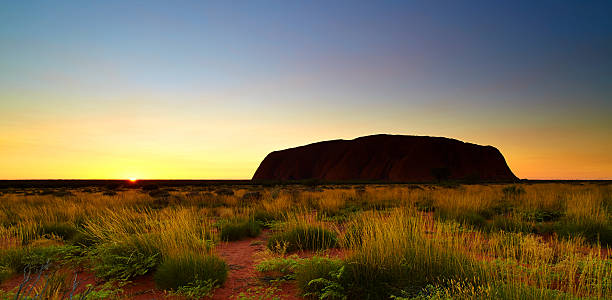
[[247, 77]]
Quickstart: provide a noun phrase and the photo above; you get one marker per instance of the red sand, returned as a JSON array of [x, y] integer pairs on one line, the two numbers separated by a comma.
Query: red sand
[[140, 288], [240, 257], [242, 276], [83, 278]]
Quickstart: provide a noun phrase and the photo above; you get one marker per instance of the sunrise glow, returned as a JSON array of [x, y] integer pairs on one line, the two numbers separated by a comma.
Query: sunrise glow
[[206, 90]]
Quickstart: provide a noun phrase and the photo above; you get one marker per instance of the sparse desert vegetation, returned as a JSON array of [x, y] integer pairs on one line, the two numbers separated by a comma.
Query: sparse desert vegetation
[[367, 241]]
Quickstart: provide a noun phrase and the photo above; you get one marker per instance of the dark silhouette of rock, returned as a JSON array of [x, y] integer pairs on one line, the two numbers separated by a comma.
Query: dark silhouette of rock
[[397, 158]]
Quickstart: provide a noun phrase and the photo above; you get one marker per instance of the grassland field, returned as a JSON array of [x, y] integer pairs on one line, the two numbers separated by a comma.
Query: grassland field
[[358, 241]]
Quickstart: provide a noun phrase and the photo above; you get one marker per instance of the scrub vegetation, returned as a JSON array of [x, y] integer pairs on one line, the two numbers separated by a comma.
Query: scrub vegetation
[[369, 241]]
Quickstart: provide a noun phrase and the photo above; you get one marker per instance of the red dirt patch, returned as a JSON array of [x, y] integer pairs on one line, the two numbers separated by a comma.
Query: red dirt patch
[[83, 278], [141, 288], [242, 276], [240, 257]]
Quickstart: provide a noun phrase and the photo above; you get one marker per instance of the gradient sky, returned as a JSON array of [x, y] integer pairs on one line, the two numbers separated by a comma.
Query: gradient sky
[[204, 90]]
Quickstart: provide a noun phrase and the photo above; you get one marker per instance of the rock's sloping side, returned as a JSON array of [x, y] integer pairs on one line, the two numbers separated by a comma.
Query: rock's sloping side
[[398, 158]]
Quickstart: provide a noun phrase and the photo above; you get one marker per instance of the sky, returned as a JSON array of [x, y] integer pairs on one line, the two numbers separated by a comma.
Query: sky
[[205, 89]]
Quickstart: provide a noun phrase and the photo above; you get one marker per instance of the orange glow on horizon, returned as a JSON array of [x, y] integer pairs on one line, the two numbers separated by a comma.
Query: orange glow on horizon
[[110, 146]]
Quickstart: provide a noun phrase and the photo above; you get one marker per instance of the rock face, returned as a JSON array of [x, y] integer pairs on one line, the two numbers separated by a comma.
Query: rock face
[[396, 158]]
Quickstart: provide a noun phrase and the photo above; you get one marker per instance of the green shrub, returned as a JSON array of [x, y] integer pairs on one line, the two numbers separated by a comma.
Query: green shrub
[[159, 194], [237, 230], [123, 261], [314, 274], [108, 290], [513, 190], [592, 231], [16, 260], [303, 237], [186, 269], [328, 288], [284, 267], [265, 219], [469, 218], [502, 207], [542, 215], [11, 260], [83, 239], [251, 196], [472, 219], [511, 224], [65, 231], [425, 204], [38, 256], [224, 192], [5, 273], [196, 290]]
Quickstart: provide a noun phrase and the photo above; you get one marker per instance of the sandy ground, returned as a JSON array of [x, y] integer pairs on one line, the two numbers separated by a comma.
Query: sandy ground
[[240, 257], [242, 277]]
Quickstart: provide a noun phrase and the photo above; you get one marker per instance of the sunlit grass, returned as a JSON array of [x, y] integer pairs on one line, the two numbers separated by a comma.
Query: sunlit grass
[[470, 241]]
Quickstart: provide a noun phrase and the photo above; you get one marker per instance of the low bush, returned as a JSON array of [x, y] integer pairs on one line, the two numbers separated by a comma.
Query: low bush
[[513, 190], [425, 204], [251, 196], [224, 192], [38, 256], [592, 231], [510, 224], [315, 274], [188, 269], [65, 231], [11, 261], [279, 267], [63, 193], [239, 229], [83, 239], [123, 261], [502, 207], [150, 187], [5, 273], [542, 215], [469, 218], [196, 290], [265, 219], [16, 260], [473, 219], [303, 237], [159, 194]]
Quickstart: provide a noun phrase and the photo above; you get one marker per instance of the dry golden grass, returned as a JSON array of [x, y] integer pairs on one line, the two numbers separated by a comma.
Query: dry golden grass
[[471, 240]]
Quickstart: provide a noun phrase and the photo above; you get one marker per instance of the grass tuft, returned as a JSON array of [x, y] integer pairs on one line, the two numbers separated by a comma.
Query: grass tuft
[[239, 229], [186, 269], [303, 237]]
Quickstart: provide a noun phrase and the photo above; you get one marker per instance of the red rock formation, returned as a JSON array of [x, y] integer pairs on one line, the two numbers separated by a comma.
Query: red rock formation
[[397, 158]]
